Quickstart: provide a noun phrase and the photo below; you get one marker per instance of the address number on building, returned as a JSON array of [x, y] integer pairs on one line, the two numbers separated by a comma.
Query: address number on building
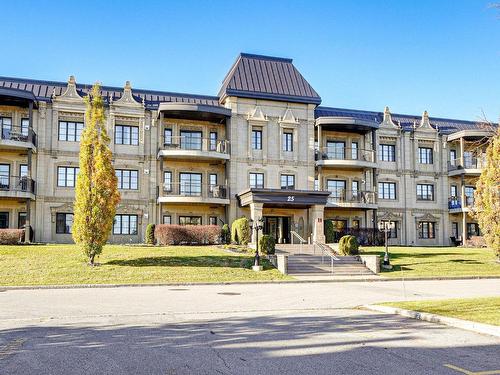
[[290, 198]]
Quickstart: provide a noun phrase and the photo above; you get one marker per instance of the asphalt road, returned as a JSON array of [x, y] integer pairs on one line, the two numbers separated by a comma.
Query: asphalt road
[[312, 328]]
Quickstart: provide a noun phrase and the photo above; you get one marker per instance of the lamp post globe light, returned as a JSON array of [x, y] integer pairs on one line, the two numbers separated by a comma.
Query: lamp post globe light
[[256, 226], [386, 227]]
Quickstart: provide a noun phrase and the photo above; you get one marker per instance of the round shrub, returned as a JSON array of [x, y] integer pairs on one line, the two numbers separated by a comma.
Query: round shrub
[[225, 234], [266, 245], [349, 245], [150, 234], [329, 232], [240, 231]]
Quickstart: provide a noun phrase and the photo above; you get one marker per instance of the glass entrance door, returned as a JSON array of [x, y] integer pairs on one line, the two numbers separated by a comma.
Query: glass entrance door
[[278, 227]]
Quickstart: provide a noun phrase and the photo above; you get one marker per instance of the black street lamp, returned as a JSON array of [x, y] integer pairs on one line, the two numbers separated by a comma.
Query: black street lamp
[[386, 227], [256, 226]]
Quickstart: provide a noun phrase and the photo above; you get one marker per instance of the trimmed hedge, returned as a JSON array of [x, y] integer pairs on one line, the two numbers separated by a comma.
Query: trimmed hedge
[[11, 236], [329, 232], [150, 234], [267, 245], [240, 231], [225, 234], [167, 234], [348, 245]]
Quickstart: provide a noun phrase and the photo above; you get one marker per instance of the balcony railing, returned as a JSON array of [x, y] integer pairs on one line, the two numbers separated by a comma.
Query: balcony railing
[[18, 133], [196, 144], [352, 196], [455, 202], [194, 190], [467, 163], [17, 183], [345, 153]]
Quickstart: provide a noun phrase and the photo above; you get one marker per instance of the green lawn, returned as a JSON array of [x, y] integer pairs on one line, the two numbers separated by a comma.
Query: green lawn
[[482, 310], [437, 261], [65, 264]]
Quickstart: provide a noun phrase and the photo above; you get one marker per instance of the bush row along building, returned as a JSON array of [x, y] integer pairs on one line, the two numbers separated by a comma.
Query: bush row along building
[[263, 148]]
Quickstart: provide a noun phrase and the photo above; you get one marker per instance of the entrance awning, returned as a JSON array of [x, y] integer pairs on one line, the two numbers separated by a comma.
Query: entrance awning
[[283, 198]]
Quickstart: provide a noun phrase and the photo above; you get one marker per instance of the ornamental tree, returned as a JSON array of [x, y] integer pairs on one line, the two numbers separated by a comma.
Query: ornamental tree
[[487, 196], [96, 188]]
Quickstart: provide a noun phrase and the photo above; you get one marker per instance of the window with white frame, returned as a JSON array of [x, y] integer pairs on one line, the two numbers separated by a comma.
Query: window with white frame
[[6, 123], [167, 181], [125, 224], [288, 141], [386, 152], [425, 192], [256, 139], [167, 136], [257, 180], [127, 179], [66, 176], [126, 135], [354, 150], [167, 219], [25, 124], [387, 190], [213, 141], [70, 131], [288, 181], [425, 155]]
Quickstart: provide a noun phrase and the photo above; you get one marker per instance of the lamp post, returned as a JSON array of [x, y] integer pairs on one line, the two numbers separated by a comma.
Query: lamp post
[[386, 227], [256, 226]]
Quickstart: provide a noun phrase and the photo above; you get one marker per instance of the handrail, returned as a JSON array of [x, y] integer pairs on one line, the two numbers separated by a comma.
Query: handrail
[[344, 153], [325, 250], [299, 237], [182, 142]]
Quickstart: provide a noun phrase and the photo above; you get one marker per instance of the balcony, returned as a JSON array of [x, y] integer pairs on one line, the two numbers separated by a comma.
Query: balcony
[[467, 165], [179, 147], [352, 199], [193, 193], [345, 158], [17, 187], [17, 137], [455, 205]]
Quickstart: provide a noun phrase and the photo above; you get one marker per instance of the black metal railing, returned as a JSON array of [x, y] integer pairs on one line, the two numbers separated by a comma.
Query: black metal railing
[[196, 143], [352, 196], [17, 183], [344, 153], [194, 190], [18, 133]]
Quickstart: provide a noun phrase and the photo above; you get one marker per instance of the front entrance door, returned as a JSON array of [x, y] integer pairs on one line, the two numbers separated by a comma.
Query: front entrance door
[[339, 227], [278, 227]]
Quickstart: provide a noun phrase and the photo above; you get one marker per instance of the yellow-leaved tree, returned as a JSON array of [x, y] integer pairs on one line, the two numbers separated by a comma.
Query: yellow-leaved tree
[[96, 188], [487, 196]]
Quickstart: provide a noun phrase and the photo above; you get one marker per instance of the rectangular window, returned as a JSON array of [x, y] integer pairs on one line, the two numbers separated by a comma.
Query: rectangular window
[[212, 220], [70, 131], [454, 229], [453, 191], [354, 150], [426, 229], [469, 195], [167, 219], [387, 190], [167, 181], [212, 181], [425, 155], [189, 220], [453, 157], [126, 135], [393, 233], [288, 181], [256, 139], [190, 184], [288, 142], [23, 170], [473, 230], [191, 140], [425, 192], [127, 179], [257, 180], [64, 223], [336, 188], [25, 124], [4, 176], [335, 150], [125, 224], [66, 176], [6, 123], [316, 185], [213, 141], [167, 137], [4, 220], [21, 220], [387, 152]]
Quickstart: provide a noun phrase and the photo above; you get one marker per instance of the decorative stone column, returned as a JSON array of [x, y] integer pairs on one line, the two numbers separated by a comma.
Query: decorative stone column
[[316, 215]]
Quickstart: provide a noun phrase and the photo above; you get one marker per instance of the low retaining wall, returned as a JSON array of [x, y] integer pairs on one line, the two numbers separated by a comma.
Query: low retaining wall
[[280, 261], [372, 262]]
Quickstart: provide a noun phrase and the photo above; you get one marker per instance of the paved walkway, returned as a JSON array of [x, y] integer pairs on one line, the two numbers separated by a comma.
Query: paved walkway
[[311, 328]]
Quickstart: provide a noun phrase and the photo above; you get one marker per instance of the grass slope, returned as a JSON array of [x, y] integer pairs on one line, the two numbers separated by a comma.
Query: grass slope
[[65, 264]]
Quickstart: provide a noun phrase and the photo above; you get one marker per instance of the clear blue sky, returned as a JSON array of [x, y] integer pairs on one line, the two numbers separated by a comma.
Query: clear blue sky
[[440, 56]]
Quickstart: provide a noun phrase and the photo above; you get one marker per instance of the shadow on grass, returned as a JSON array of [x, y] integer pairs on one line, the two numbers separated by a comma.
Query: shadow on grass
[[196, 261]]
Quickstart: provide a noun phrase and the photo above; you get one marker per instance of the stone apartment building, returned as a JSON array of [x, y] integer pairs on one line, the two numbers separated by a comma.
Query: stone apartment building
[[262, 148]]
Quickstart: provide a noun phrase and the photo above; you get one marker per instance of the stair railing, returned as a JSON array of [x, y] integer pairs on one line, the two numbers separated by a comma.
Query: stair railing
[[299, 237], [325, 250]]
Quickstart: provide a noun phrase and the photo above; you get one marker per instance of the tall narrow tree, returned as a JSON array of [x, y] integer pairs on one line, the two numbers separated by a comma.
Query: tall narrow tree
[[96, 187], [487, 196]]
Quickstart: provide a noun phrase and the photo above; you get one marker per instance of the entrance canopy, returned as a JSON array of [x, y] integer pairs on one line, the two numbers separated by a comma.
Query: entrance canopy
[[283, 198]]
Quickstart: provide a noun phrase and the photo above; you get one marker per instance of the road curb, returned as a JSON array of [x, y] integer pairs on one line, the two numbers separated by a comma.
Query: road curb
[[487, 329], [344, 280]]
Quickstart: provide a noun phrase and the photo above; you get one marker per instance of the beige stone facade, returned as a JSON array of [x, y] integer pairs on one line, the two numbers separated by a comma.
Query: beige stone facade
[[210, 160]]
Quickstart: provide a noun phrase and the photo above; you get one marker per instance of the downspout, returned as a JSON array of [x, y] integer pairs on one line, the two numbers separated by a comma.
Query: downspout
[[403, 161]]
